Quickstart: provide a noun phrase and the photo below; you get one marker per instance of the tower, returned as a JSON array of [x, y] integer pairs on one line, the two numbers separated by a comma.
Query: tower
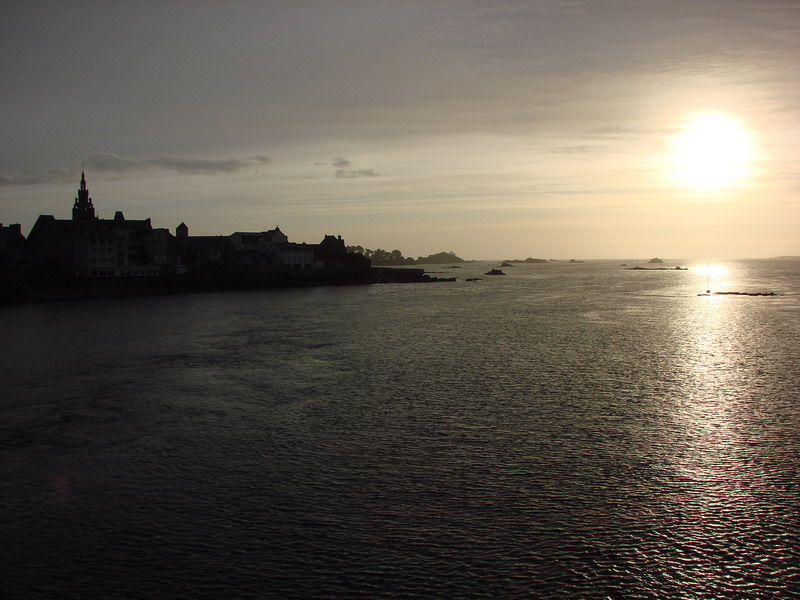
[[83, 208]]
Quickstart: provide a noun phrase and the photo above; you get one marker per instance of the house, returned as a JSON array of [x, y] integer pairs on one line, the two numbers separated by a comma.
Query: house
[[333, 261], [293, 256], [276, 247], [14, 254], [260, 242]]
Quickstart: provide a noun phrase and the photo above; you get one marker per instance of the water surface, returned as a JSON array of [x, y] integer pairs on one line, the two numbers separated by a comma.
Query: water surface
[[565, 431]]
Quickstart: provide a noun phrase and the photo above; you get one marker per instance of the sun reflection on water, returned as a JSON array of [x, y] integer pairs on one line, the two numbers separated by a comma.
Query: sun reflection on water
[[714, 474], [712, 379]]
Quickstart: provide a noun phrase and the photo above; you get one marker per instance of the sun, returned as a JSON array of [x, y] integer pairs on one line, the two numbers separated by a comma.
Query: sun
[[712, 152]]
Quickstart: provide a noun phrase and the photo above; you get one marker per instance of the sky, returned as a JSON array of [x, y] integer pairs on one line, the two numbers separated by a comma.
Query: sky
[[489, 128]]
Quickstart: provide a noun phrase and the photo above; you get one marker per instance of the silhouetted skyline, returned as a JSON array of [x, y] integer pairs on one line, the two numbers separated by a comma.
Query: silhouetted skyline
[[493, 129]]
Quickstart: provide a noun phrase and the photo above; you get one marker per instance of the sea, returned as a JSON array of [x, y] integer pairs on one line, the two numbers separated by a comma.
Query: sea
[[566, 430]]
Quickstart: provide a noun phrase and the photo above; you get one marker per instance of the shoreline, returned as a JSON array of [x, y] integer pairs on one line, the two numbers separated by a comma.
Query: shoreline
[[16, 290]]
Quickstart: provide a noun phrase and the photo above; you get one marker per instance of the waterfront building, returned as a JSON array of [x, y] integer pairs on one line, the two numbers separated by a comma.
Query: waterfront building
[[14, 254], [87, 246], [275, 247]]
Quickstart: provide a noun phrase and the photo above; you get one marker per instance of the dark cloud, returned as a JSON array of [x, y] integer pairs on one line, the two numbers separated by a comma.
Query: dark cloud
[[111, 163], [118, 164], [36, 177], [188, 165], [344, 174], [342, 171]]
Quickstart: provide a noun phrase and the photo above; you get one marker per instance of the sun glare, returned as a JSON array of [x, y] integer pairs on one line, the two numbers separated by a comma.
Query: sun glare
[[714, 274], [712, 152], [711, 270]]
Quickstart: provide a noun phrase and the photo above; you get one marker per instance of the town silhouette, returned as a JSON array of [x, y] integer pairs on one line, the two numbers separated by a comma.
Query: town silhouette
[[87, 255]]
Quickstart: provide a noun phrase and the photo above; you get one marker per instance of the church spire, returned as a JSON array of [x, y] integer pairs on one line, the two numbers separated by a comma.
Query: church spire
[[83, 208]]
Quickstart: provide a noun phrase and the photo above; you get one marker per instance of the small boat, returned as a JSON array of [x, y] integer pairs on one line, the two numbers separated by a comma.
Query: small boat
[[494, 272]]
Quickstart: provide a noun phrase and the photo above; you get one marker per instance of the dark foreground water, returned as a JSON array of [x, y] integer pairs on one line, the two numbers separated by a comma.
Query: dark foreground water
[[565, 431]]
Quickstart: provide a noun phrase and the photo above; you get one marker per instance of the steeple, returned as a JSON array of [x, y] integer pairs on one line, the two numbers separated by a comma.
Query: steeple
[[83, 208]]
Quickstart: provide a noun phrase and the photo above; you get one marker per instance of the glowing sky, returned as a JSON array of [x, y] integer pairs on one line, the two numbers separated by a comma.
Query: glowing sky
[[495, 128]]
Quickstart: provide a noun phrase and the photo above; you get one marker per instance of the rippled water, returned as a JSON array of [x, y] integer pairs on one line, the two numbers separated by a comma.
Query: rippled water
[[565, 431]]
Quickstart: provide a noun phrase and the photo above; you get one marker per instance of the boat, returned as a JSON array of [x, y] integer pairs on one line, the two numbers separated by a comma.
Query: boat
[[655, 260], [494, 272]]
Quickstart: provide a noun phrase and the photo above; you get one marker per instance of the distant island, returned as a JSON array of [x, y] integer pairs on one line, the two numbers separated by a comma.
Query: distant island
[[528, 260], [384, 258], [638, 268]]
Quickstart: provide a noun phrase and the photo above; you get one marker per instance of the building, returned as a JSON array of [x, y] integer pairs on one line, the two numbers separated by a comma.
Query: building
[[259, 242], [87, 246], [334, 261], [14, 254], [264, 251], [293, 256], [274, 245]]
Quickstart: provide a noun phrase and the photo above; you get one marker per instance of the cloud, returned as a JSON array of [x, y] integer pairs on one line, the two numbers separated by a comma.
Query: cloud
[[343, 174], [117, 164], [342, 171], [35, 177], [111, 163], [575, 149], [612, 130], [188, 165], [192, 166]]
